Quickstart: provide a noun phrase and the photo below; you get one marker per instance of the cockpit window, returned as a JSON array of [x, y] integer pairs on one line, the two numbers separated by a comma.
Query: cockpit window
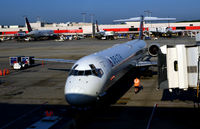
[[88, 72], [81, 72], [96, 72], [75, 66], [93, 71], [100, 71], [92, 66], [74, 72]]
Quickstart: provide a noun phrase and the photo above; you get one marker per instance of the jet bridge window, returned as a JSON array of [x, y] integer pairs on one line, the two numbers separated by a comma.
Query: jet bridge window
[[175, 65]]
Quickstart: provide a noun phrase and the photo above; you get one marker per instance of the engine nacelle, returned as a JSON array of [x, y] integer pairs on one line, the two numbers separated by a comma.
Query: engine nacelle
[[153, 49]]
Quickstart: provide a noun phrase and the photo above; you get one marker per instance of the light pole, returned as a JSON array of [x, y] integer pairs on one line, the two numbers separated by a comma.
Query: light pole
[[148, 12], [92, 17], [148, 15], [83, 14]]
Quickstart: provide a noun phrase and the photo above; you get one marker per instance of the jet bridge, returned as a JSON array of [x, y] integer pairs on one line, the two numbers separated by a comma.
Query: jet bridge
[[178, 67]]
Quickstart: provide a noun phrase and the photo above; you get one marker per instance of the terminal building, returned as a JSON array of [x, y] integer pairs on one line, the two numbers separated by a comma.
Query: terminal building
[[73, 28]]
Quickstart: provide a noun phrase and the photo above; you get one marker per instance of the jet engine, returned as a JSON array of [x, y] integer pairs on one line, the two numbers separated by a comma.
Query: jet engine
[[153, 49]]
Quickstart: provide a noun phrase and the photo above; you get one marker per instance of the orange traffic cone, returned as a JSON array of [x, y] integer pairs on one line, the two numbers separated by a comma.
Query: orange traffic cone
[[42, 63], [4, 72], [7, 71], [49, 113], [1, 74]]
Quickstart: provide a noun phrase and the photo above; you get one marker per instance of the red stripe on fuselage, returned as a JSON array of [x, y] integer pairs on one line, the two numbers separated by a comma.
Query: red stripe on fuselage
[[55, 31], [123, 29], [188, 28], [10, 32], [117, 29], [68, 31], [192, 27]]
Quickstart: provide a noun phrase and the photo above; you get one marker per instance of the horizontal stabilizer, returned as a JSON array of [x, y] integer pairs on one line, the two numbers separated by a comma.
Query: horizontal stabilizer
[[145, 19]]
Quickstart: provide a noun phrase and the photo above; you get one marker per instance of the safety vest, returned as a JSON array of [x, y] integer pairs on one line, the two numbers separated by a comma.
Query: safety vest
[[136, 82]]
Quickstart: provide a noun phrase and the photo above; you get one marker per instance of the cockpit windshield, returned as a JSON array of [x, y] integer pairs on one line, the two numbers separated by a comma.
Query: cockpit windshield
[[97, 72], [94, 71]]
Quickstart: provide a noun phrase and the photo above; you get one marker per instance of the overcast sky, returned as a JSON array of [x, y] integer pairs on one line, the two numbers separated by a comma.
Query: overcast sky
[[105, 11]]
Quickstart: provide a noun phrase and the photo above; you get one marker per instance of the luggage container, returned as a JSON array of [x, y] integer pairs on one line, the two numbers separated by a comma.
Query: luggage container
[[27, 60], [20, 62], [15, 59]]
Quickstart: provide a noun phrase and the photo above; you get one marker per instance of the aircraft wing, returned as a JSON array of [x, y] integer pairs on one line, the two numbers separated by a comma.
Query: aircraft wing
[[143, 63], [56, 60], [146, 63]]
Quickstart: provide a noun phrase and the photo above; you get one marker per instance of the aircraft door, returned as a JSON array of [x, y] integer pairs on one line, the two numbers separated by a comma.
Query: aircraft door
[[162, 71]]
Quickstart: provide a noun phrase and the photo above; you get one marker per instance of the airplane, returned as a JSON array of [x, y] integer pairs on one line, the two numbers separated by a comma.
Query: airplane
[[39, 34], [91, 76], [102, 34], [167, 31], [145, 19], [158, 31]]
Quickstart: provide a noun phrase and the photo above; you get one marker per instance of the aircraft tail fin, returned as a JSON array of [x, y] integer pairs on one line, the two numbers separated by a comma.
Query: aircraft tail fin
[[28, 25], [97, 26], [141, 27]]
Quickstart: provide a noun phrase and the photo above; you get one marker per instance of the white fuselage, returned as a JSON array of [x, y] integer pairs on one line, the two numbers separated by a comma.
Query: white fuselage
[[92, 75], [41, 33]]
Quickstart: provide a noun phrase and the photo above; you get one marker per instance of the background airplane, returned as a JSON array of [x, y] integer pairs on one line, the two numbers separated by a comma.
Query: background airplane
[[39, 34], [104, 35]]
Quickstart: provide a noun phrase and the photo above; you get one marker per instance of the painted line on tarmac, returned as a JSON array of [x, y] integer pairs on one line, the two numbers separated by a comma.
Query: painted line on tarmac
[[150, 119], [24, 115]]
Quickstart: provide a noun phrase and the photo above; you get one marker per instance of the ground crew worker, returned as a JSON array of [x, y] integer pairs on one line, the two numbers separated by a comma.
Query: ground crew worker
[[136, 84]]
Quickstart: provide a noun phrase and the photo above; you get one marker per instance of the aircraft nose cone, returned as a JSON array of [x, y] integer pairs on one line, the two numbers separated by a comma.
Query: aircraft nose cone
[[79, 99]]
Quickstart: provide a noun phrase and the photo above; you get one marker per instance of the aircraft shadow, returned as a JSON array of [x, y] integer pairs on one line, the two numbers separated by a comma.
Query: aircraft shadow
[[117, 90], [189, 95], [117, 117]]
